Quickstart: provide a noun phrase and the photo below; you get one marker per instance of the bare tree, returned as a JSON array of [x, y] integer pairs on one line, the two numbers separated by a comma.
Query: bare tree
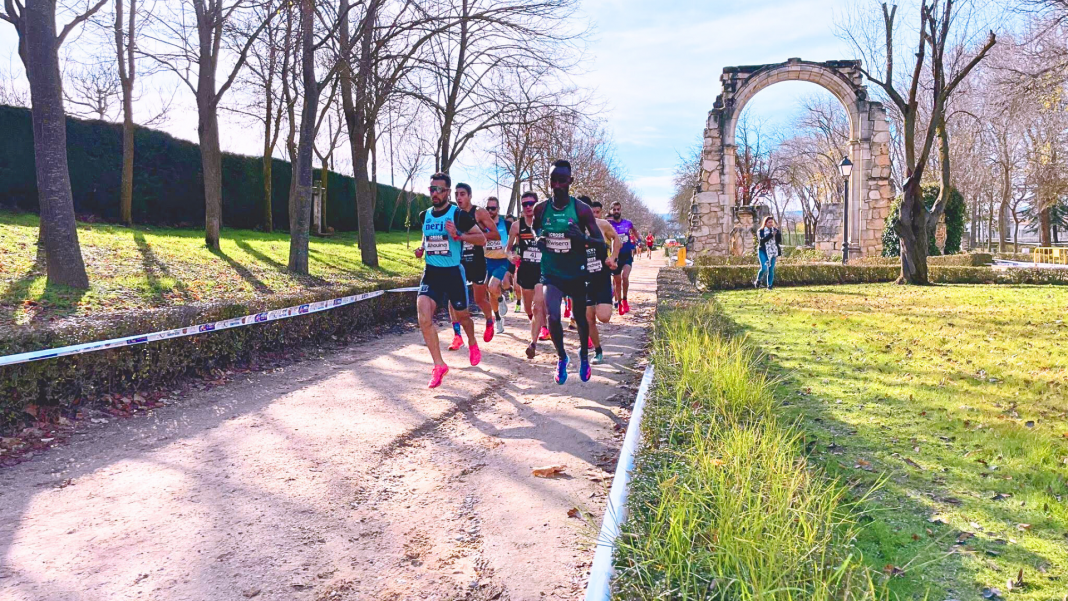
[[94, 90], [933, 38], [191, 41], [684, 177], [752, 162], [11, 93], [35, 23]]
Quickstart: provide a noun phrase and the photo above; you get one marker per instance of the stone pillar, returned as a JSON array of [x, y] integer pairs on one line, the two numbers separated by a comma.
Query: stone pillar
[[879, 192]]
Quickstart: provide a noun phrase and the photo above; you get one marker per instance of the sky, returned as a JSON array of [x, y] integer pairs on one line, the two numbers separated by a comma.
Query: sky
[[656, 65]]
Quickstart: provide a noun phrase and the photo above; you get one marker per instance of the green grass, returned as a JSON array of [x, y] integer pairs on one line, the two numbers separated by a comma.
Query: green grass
[[953, 398], [140, 267], [723, 503]]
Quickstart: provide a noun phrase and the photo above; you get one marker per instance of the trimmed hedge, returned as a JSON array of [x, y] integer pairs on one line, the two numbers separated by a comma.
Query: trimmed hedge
[[959, 260], [168, 185], [66, 380], [955, 211], [731, 277]]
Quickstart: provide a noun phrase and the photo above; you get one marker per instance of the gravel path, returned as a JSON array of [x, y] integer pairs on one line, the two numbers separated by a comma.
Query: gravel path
[[339, 478]]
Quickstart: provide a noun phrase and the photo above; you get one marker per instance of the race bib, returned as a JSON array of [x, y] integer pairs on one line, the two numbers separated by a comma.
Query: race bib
[[557, 243], [468, 247], [532, 255], [593, 264], [772, 249], [494, 245], [436, 245]]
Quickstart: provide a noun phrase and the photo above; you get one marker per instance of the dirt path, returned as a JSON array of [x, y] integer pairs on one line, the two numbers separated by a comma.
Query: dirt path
[[338, 479]]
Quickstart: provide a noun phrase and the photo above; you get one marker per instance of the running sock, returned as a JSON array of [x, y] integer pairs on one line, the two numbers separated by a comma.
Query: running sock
[[456, 327], [497, 315], [597, 351]]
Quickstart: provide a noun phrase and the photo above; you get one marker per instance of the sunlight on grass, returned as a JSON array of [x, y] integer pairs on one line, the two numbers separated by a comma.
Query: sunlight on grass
[[957, 396], [134, 268]]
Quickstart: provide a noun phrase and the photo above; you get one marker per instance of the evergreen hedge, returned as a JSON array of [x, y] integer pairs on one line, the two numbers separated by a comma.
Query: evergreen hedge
[[729, 277], [168, 188], [955, 213]]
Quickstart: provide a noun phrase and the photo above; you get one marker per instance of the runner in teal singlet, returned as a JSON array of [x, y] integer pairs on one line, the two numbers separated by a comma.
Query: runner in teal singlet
[[567, 227]]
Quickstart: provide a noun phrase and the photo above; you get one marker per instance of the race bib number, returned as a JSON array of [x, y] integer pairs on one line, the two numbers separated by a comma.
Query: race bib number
[[468, 247], [436, 245], [593, 264], [557, 243], [494, 245], [532, 255], [773, 249]]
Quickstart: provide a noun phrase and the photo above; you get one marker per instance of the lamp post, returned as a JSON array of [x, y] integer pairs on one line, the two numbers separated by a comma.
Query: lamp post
[[846, 167]]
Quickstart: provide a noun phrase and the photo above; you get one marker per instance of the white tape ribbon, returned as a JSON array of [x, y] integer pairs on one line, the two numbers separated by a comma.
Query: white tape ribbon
[[226, 324]]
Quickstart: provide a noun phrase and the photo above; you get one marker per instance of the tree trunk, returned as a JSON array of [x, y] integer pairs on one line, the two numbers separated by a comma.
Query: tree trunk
[[354, 101], [1016, 237], [40, 56], [1045, 237], [211, 164], [126, 194], [268, 164], [298, 232], [911, 228]]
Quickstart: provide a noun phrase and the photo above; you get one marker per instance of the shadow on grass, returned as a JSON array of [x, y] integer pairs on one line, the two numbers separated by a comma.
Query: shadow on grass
[[902, 519], [55, 301], [154, 268], [244, 272], [310, 281]]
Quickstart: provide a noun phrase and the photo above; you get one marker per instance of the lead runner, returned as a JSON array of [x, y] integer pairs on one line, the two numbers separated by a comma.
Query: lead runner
[[445, 229], [567, 228]]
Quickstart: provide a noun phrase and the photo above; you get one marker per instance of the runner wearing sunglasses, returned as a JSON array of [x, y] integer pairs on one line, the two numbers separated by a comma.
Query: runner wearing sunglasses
[[445, 230], [599, 262], [523, 251], [567, 227], [621, 274]]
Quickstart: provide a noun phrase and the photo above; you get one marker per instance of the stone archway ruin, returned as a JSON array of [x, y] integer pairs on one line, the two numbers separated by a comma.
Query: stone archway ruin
[[718, 226]]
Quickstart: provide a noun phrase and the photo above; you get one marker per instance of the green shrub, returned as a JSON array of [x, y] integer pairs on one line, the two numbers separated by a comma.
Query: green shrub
[[66, 380], [955, 215], [168, 187], [729, 277]]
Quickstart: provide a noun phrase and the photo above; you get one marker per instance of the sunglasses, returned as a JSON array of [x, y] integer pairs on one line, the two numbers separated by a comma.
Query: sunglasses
[[434, 189], [529, 204], [494, 209]]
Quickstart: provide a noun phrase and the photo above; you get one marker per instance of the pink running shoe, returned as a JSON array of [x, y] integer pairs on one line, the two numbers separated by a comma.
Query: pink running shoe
[[437, 375], [488, 336], [457, 342], [476, 356], [589, 343], [544, 334]]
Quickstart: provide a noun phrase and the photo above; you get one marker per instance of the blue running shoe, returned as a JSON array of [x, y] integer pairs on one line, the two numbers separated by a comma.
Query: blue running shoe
[[585, 371], [561, 370]]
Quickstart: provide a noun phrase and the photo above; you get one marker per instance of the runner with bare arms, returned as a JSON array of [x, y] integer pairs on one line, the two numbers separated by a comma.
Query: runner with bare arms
[[523, 251], [445, 229], [599, 263], [474, 262]]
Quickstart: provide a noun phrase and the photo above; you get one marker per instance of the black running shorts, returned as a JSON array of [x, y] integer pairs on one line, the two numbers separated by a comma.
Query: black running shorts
[[445, 284]]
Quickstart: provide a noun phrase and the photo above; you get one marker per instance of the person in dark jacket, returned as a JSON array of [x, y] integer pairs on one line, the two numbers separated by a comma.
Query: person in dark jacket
[[770, 248]]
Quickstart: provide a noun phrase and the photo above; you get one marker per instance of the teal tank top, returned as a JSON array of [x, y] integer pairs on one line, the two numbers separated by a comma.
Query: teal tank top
[[440, 250]]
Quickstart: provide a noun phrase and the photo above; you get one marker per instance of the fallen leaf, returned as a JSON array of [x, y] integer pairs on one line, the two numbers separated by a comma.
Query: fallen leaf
[[573, 512], [1024, 527], [963, 536], [718, 462], [912, 463], [548, 471]]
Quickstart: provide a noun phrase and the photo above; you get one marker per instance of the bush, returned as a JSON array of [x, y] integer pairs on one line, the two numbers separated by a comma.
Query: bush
[[168, 186], [66, 380], [729, 277], [955, 213]]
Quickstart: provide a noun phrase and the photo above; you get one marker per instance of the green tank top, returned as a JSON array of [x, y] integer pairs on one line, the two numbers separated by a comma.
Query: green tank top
[[562, 258]]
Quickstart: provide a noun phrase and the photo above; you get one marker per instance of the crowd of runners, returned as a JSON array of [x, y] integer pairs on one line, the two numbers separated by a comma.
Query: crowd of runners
[[560, 258]]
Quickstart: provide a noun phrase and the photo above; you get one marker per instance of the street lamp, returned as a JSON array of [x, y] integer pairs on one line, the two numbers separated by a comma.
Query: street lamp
[[846, 167]]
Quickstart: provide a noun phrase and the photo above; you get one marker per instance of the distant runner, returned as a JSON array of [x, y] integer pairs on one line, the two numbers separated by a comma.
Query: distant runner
[[445, 229], [524, 252], [599, 262], [567, 227], [497, 261], [649, 242], [621, 274], [474, 261]]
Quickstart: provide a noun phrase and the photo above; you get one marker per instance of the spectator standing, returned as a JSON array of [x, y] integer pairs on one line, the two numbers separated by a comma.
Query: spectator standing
[[770, 247]]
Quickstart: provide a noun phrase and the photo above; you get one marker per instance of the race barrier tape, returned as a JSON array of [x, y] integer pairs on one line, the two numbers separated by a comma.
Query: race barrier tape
[[226, 324]]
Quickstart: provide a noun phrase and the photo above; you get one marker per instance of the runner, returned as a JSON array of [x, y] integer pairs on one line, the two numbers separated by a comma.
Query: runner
[[621, 274], [564, 223], [599, 288], [649, 242], [474, 261], [445, 229], [525, 254], [497, 261]]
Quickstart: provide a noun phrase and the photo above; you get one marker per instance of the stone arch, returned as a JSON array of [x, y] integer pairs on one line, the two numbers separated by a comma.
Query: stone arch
[[719, 226]]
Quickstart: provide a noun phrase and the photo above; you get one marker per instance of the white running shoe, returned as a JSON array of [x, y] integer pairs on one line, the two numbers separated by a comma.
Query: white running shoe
[[500, 324], [502, 306]]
